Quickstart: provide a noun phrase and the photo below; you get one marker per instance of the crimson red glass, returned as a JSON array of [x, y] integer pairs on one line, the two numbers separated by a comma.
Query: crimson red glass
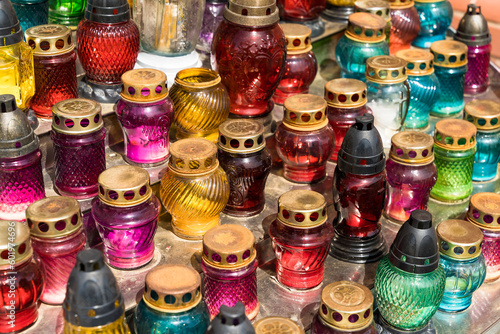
[[300, 10], [405, 25]]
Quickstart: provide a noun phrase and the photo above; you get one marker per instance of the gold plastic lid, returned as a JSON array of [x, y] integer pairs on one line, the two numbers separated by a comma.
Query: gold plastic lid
[[455, 134], [459, 239], [15, 245], [124, 185], [305, 112], [484, 114], [252, 13], [197, 78], [345, 93], [54, 217], [346, 305], [419, 62], [366, 27], [401, 4], [484, 210], [228, 246], [386, 69], [377, 7], [76, 116], [49, 39], [413, 148], [195, 156], [144, 85], [302, 208], [298, 38], [277, 325], [449, 53], [241, 136], [172, 288]]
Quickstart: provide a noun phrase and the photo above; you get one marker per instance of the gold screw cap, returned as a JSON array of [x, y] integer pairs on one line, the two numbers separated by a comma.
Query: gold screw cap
[[305, 112], [386, 69], [15, 243], [76, 117], [419, 62], [455, 134], [401, 4], [49, 39], [459, 239], [345, 93], [144, 85], [449, 53], [484, 114], [193, 156], [298, 38], [412, 148], [277, 325], [377, 7], [366, 27], [241, 136], [484, 210], [252, 13], [302, 208]]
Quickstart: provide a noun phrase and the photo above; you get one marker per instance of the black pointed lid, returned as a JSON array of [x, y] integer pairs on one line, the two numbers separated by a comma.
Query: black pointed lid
[[231, 320], [107, 11], [10, 29], [362, 151], [473, 28], [415, 249]]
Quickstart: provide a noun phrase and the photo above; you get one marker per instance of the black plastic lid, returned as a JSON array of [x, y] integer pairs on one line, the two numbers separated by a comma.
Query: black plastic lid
[[362, 151], [107, 11], [231, 320], [473, 28], [415, 249], [92, 290], [10, 29]]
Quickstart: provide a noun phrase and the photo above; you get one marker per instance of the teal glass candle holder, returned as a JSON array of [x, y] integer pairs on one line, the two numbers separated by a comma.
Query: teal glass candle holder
[[435, 18], [31, 13], [66, 12], [464, 265]]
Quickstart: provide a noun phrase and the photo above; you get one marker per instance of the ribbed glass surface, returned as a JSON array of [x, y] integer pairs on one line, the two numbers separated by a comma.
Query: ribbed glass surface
[[66, 12], [405, 27], [476, 79], [117, 327], [435, 18], [424, 93], [487, 155], [451, 91]]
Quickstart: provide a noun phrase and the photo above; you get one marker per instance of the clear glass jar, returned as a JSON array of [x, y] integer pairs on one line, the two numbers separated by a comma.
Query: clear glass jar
[[31, 13], [212, 17], [435, 18], [405, 25], [66, 12]]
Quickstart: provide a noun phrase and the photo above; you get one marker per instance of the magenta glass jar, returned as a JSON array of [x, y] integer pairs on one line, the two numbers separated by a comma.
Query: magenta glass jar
[[56, 237], [126, 215]]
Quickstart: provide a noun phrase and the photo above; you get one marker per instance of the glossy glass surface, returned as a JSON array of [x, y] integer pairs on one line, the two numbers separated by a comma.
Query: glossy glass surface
[[250, 61], [300, 10], [404, 29], [424, 93], [319, 326], [487, 155], [212, 17], [31, 13], [66, 12], [118, 327], [476, 78], [451, 91], [435, 18], [304, 153], [407, 301], [491, 253]]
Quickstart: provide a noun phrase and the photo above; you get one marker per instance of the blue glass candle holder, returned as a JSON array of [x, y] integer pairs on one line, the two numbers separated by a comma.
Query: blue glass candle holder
[[435, 18], [31, 12]]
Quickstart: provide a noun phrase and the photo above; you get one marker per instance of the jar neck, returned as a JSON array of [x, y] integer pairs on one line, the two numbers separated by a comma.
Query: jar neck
[[463, 261], [64, 238], [241, 155], [402, 272], [229, 273]]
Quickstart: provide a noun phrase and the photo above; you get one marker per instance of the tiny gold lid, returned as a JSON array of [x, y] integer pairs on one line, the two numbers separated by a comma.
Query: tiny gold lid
[[302, 208], [459, 239], [252, 13], [345, 93], [484, 114], [49, 40], [346, 305], [401, 4], [15, 245], [377, 7], [298, 38], [455, 134], [228, 247], [413, 148], [386, 69], [76, 117], [54, 217], [484, 210], [305, 112], [366, 27], [277, 325], [197, 78], [124, 186], [172, 288], [449, 53], [241, 136], [144, 85], [419, 62], [195, 156]]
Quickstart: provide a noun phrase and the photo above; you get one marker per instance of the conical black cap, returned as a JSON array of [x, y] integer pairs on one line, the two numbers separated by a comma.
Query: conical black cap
[[415, 249], [473, 28], [362, 151], [107, 11], [231, 320], [10, 29], [92, 288]]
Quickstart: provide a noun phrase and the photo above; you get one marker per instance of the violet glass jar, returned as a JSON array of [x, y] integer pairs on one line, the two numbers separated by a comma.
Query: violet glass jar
[[243, 155], [78, 133], [57, 236], [229, 264], [145, 113], [212, 17], [126, 215]]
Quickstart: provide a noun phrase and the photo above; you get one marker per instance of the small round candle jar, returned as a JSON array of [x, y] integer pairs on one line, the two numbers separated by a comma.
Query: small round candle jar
[[485, 115], [249, 52], [388, 94], [57, 236], [346, 307], [66, 12], [201, 103], [229, 264], [78, 134], [277, 325], [212, 17], [305, 12], [21, 276], [464, 266], [31, 13], [145, 113], [405, 25], [195, 189], [305, 139], [346, 100], [411, 174], [172, 301], [435, 18], [450, 65], [301, 65], [301, 238], [243, 155], [54, 59], [231, 320], [364, 38], [126, 215], [454, 150], [377, 7], [21, 178]]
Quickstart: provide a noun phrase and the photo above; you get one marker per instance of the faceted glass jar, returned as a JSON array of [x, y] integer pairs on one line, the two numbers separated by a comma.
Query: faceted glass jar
[[487, 155], [212, 17], [491, 253], [319, 326], [476, 78], [405, 26], [31, 13], [66, 12], [424, 93], [451, 94], [435, 18]]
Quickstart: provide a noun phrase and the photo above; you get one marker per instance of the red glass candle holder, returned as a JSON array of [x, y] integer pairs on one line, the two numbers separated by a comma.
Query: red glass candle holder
[[305, 12], [405, 25]]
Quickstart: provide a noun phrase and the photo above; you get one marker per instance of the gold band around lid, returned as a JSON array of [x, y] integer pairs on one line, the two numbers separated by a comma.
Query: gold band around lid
[[455, 134], [196, 300], [302, 209], [386, 69], [305, 112], [366, 27], [484, 210], [277, 325], [241, 136], [193, 156], [251, 12], [144, 85], [412, 148], [298, 38], [76, 116], [378, 7], [484, 114], [49, 40], [459, 239], [401, 4], [449, 53], [15, 245], [419, 62], [345, 93]]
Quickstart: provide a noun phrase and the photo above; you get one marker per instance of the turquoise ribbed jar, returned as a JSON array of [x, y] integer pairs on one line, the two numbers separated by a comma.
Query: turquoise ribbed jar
[[31, 12], [435, 18]]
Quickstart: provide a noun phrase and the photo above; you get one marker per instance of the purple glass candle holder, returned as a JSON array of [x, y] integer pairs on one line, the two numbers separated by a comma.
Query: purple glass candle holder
[[212, 17]]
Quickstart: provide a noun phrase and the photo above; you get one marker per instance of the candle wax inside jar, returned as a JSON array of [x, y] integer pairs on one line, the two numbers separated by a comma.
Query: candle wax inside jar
[[387, 120]]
